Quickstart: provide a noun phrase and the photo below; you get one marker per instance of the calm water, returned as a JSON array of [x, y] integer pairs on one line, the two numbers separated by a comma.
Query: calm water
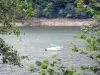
[[34, 40]]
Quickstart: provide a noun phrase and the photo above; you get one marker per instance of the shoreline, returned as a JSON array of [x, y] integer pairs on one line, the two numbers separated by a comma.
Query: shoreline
[[58, 22], [44, 22]]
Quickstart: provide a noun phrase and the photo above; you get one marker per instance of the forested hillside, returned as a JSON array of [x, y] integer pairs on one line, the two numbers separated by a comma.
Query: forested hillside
[[62, 8]]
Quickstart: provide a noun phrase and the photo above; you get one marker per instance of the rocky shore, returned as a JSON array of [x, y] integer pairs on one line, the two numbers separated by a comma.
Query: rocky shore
[[57, 22]]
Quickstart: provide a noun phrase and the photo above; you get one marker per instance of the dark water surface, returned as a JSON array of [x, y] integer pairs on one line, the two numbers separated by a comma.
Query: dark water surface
[[33, 41]]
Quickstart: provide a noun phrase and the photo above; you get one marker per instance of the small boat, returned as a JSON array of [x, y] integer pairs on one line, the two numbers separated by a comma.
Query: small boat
[[54, 48]]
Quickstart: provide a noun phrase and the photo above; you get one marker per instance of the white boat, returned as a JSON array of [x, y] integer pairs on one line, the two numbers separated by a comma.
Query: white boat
[[54, 48]]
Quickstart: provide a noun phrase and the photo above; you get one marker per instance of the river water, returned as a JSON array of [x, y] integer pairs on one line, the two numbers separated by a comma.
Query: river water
[[33, 41]]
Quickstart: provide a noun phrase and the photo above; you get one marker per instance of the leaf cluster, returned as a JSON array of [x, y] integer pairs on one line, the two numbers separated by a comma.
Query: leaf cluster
[[9, 55], [55, 67], [91, 36], [10, 11]]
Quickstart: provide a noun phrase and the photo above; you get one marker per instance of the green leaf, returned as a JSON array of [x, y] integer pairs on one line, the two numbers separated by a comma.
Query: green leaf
[[93, 41], [75, 37], [98, 56], [31, 68], [73, 69], [70, 72], [88, 40], [42, 74], [88, 48], [82, 67], [82, 27], [44, 66], [50, 71], [76, 73], [45, 62], [42, 70], [38, 63], [94, 69], [52, 64], [83, 37], [16, 32]]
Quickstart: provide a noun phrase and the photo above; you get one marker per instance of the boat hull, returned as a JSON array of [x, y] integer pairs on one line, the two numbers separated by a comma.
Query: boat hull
[[54, 49]]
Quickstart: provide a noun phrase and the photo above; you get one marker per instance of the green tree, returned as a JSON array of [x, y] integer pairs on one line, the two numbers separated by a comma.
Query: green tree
[[9, 9], [59, 8], [91, 36]]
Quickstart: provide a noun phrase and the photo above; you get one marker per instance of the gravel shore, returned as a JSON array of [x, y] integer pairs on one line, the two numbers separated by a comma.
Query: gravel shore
[[57, 22]]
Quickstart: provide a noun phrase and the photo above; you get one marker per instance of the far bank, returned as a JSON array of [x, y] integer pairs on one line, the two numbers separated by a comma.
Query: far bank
[[56, 22]]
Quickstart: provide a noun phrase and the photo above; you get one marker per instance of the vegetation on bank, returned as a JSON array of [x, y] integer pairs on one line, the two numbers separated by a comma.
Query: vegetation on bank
[[63, 8]]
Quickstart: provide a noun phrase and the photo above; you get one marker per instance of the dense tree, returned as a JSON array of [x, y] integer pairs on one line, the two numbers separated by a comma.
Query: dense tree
[[59, 8]]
